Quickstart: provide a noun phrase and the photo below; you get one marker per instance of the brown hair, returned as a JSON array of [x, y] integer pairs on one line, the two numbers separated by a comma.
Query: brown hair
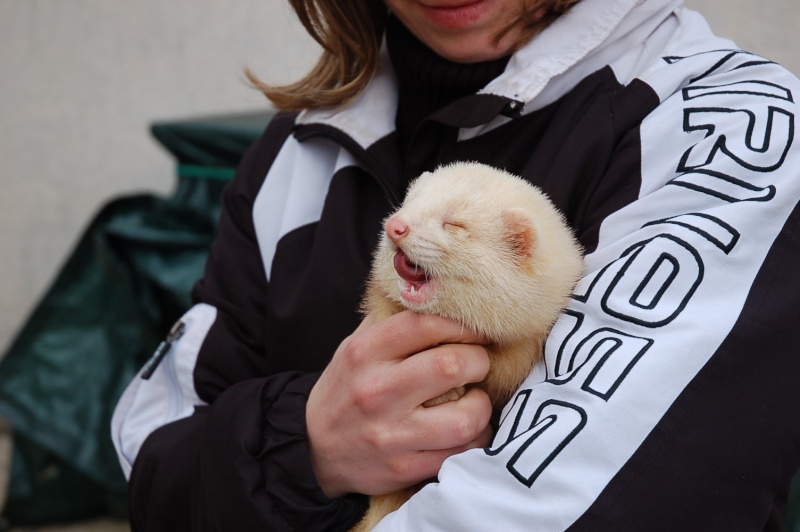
[[350, 33]]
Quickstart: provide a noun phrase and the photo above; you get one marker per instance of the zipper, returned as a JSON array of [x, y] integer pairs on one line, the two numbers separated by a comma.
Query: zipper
[[163, 348]]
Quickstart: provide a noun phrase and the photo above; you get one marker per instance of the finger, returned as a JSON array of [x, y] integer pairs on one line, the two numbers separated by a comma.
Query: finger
[[457, 425], [421, 466], [427, 463], [407, 333], [435, 371]]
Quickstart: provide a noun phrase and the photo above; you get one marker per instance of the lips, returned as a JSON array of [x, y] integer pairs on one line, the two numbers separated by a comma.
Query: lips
[[456, 16], [414, 278]]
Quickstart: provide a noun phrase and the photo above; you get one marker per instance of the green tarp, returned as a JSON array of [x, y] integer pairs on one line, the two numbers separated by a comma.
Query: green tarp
[[127, 280]]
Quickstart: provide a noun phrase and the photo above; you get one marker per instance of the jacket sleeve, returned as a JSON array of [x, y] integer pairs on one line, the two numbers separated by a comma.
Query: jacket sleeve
[[214, 440], [668, 395]]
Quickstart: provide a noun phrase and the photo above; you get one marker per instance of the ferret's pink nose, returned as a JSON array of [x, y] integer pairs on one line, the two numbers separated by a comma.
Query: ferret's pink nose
[[396, 229]]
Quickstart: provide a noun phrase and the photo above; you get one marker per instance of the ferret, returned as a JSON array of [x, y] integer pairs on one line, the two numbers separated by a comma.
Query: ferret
[[484, 248]]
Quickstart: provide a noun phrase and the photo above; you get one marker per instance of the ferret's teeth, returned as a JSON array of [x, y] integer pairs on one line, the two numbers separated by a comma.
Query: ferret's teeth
[[401, 285], [413, 290]]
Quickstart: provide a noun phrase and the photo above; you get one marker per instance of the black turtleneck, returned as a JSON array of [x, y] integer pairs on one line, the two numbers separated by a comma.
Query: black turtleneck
[[427, 82]]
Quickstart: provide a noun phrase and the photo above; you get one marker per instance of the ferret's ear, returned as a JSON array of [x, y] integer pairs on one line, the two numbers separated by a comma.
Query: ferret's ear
[[519, 233]]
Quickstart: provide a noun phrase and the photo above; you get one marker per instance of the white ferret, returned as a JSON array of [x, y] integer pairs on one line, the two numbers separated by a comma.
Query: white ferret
[[484, 248]]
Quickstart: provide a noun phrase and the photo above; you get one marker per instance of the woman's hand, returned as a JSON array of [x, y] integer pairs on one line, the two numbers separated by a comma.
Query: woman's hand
[[367, 429]]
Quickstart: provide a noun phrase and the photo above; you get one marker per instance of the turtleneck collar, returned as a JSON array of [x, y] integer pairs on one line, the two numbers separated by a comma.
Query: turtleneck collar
[[427, 82]]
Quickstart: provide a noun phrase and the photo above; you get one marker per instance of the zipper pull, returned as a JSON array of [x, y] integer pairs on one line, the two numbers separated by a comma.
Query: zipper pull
[[163, 348]]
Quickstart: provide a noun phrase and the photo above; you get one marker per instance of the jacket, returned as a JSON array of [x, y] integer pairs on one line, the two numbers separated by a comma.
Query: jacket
[[666, 399]]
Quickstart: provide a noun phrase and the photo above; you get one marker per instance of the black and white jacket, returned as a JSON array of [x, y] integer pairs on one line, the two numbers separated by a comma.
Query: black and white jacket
[[669, 392]]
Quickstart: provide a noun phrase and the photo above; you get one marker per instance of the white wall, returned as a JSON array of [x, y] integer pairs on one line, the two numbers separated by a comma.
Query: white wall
[[765, 27], [81, 80]]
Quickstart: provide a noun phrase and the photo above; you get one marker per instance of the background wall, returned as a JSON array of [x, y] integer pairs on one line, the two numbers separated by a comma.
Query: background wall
[[81, 80]]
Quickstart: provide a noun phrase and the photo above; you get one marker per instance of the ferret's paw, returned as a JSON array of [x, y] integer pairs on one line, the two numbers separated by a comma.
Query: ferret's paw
[[453, 395]]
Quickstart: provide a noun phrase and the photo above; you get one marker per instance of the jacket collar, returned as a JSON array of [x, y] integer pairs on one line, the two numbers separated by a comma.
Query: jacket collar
[[594, 34], [370, 116], [579, 43]]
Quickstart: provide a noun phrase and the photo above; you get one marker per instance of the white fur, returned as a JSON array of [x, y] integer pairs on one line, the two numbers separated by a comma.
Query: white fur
[[499, 259], [476, 278]]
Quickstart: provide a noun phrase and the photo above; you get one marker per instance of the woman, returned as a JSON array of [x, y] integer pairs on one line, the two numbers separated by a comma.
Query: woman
[[666, 398]]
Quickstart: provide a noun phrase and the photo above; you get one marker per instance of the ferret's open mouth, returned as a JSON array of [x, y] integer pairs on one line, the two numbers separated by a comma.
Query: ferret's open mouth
[[414, 278]]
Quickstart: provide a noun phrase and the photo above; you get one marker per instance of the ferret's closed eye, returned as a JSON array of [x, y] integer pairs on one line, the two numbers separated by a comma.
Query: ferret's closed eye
[[451, 225]]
